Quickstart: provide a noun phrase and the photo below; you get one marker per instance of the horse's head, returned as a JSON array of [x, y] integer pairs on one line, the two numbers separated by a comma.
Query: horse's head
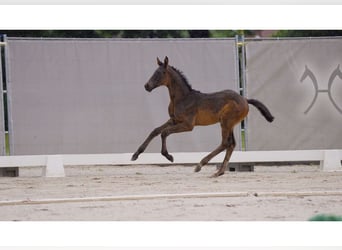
[[159, 77]]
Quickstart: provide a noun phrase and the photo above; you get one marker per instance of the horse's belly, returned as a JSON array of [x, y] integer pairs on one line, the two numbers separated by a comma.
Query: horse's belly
[[206, 117]]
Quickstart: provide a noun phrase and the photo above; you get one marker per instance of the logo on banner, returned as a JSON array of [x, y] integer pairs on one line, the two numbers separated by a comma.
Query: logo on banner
[[308, 73]]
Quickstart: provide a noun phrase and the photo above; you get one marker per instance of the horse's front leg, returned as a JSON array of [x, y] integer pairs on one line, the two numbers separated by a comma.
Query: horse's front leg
[[153, 134], [176, 128]]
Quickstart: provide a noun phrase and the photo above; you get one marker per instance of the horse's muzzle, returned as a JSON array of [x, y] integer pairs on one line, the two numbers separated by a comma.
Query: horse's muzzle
[[148, 88]]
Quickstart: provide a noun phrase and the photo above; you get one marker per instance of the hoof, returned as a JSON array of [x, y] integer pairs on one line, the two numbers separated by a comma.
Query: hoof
[[134, 157], [169, 157], [216, 175], [197, 168]]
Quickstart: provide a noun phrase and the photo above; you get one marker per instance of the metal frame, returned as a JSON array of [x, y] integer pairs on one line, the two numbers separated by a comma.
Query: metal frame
[[291, 38], [9, 80], [240, 71], [244, 87], [272, 39], [237, 82], [9, 97], [242, 41], [2, 108], [116, 39]]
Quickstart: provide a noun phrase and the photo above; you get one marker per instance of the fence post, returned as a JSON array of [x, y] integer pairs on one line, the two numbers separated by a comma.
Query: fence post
[[2, 97], [7, 109], [243, 89], [331, 160], [54, 166]]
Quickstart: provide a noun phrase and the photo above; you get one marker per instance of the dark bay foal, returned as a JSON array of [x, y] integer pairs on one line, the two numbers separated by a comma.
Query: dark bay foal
[[189, 108]]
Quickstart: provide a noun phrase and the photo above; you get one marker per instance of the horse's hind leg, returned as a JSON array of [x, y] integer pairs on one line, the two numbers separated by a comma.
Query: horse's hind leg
[[153, 134], [206, 159], [219, 149], [230, 148]]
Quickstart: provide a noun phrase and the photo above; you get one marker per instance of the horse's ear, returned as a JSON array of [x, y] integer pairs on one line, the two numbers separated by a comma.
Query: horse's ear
[[159, 62], [166, 61]]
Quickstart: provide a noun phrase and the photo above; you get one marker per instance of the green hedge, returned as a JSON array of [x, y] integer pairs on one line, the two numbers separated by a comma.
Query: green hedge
[[326, 217]]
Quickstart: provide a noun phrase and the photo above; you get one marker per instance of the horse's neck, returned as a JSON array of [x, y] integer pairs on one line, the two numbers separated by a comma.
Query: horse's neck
[[177, 89]]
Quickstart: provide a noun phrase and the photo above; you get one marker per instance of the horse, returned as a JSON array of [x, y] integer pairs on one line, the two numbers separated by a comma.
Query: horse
[[189, 108]]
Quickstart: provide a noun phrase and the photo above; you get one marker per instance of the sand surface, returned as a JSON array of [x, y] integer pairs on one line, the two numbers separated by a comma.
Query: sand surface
[[270, 193]]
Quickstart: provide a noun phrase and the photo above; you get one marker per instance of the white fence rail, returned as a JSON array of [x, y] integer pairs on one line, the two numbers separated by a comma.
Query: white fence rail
[[53, 165]]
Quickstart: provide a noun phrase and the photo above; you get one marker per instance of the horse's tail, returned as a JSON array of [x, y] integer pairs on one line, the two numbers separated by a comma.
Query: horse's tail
[[262, 108]]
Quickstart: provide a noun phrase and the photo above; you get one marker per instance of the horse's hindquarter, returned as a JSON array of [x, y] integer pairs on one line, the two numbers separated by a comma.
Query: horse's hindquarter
[[213, 107]]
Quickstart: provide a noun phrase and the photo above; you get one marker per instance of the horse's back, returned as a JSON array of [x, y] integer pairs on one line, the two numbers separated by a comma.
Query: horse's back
[[213, 106], [221, 98]]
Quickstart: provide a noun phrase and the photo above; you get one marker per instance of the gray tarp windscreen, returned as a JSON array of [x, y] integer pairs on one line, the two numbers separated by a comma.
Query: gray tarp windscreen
[[2, 126], [88, 96], [301, 83]]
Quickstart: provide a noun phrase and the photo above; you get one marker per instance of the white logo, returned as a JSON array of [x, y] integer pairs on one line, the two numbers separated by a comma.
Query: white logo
[[308, 73]]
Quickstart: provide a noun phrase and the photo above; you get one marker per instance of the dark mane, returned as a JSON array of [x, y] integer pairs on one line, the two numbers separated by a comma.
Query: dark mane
[[183, 77]]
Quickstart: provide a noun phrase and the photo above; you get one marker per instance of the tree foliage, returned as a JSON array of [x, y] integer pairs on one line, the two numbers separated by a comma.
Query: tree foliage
[[121, 33], [162, 33], [307, 33]]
